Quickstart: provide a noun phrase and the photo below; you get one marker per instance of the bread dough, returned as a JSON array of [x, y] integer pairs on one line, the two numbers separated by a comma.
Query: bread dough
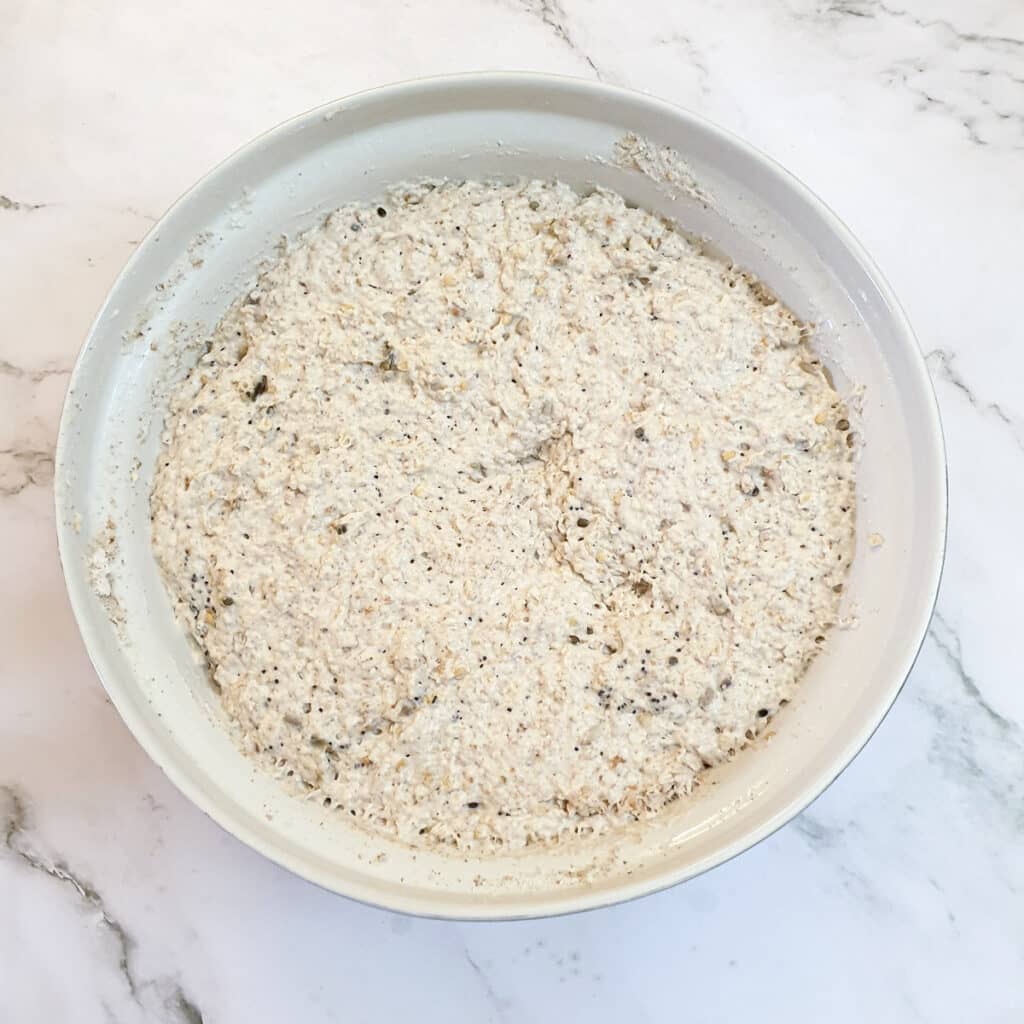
[[500, 512]]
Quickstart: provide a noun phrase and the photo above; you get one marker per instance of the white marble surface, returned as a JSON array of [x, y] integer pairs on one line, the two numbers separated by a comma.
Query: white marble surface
[[897, 897]]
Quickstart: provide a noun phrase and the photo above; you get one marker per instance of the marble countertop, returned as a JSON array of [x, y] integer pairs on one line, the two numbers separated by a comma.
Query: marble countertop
[[899, 896]]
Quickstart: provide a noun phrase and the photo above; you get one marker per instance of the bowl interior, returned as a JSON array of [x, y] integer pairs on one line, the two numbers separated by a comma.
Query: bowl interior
[[209, 248]]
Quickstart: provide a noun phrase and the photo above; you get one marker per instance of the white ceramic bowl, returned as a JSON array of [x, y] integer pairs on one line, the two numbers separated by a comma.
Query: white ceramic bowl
[[208, 248]]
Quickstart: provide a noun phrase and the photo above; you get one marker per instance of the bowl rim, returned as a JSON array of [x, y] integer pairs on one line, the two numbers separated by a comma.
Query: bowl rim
[[439, 906]]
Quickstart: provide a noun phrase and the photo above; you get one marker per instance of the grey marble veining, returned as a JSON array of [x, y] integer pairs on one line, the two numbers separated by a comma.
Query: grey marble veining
[[15, 827], [6, 203], [552, 14], [943, 364]]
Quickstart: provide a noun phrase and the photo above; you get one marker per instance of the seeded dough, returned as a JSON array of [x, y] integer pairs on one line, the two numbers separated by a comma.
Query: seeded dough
[[500, 513]]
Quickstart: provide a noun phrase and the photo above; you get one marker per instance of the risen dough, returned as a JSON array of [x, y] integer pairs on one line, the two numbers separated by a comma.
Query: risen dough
[[500, 512]]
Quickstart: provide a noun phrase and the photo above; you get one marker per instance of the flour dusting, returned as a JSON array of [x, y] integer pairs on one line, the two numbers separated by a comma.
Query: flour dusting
[[661, 164], [103, 556]]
